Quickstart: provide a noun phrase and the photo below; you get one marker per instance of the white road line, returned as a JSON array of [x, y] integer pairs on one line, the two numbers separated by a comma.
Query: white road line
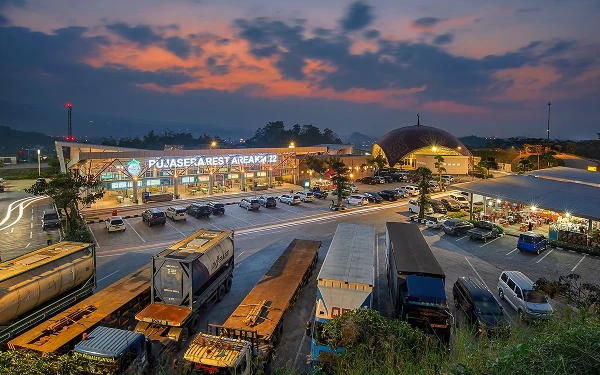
[[489, 242], [478, 275], [312, 314], [211, 224], [22, 207], [542, 258], [512, 251], [31, 217], [28, 245], [97, 281], [461, 238], [274, 217], [171, 225], [32, 212], [237, 257], [245, 221], [30, 234], [10, 209], [31, 225], [136, 232], [578, 263], [94, 236]]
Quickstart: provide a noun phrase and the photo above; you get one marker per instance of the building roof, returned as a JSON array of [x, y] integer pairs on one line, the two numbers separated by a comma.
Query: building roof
[[574, 175], [412, 253], [581, 200], [107, 342], [400, 142]]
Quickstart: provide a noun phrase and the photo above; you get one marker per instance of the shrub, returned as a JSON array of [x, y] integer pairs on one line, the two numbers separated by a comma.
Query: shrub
[[579, 248], [499, 228], [457, 215], [477, 209]]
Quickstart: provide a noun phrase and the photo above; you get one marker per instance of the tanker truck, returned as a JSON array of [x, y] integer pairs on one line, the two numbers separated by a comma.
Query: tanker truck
[[38, 285], [195, 272]]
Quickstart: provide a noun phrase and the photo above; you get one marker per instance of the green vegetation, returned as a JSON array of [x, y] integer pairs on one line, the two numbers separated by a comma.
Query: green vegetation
[[424, 199], [380, 162], [525, 165], [154, 141], [274, 134], [457, 215], [340, 178], [440, 170]]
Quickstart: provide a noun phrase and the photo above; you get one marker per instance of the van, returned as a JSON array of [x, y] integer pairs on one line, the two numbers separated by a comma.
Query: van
[[415, 207], [50, 219], [435, 221], [412, 190], [517, 289], [532, 242]]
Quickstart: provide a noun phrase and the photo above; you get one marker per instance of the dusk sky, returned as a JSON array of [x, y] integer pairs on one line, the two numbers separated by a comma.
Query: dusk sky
[[479, 67]]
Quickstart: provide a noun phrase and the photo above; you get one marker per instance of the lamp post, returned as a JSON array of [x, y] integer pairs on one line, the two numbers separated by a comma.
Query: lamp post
[[39, 166]]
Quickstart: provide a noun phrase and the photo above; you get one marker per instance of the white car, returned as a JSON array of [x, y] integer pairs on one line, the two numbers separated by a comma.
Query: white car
[[176, 213], [412, 190], [353, 188], [403, 193], [435, 221], [415, 208], [357, 200], [290, 199], [306, 196], [115, 224], [461, 199]]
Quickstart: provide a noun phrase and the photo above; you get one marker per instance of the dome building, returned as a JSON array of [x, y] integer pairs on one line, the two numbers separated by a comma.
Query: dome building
[[416, 146]]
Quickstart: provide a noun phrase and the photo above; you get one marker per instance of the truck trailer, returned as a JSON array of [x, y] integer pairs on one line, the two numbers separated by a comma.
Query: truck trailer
[[345, 281], [416, 281], [188, 275], [256, 325], [38, 285]]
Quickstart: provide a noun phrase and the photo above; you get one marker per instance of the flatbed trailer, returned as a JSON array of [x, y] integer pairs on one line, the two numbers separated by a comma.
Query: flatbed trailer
[[256, 325], [113, 306]]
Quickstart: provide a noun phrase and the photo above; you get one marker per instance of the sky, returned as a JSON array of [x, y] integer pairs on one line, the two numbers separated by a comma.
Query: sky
[[471, 67]]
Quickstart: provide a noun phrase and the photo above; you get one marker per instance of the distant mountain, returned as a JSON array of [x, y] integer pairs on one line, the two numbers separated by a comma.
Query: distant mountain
[[359, 140], [11, 141], [473, 141]]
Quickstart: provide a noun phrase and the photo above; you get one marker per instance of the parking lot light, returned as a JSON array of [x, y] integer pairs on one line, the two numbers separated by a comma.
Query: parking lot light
[[533, 208], [568, 214]]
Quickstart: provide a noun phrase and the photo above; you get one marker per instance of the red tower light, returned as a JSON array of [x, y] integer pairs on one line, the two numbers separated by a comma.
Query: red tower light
[[69, 105]]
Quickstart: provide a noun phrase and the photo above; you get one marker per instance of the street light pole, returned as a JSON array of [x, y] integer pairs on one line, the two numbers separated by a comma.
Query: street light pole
[[39, 166]]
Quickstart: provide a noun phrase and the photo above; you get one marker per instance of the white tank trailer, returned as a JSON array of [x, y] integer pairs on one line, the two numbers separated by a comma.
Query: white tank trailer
[[37, 285]]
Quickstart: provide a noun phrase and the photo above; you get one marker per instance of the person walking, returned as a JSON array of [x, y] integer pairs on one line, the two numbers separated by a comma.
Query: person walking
[[49, 239]]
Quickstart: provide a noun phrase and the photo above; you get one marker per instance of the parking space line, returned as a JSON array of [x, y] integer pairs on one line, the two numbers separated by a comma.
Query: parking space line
[[461, 238], [489, 242], [245, 221], [172, 226], [578, 263], [30, 234], [97, 281], [237, 257], [548, 253], [136, 232], [478, 275], [94, 236], [30, 244], [31, 225], [512, 251]]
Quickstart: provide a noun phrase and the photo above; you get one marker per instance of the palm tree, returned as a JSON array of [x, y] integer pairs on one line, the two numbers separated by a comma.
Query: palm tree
[[440, 169], [424, 200], [339, 178]]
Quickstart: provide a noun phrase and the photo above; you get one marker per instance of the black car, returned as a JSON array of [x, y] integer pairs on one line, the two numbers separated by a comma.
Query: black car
[[198, 210], [374, 197], [370, 180], [388, 178], [456, 226], [450, 204], [154, 216], [479, 306], [389, 195], [267, 201], [438, 207], [217, 208]]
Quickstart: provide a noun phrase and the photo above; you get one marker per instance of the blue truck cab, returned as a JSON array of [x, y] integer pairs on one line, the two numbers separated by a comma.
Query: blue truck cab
[[532, 242], [115, 351]]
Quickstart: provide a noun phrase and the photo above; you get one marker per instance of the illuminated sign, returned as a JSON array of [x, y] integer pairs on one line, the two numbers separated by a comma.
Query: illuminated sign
[[200, 161], [134, 167], [592, 168]]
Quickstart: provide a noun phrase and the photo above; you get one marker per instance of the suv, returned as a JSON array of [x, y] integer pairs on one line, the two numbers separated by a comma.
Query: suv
[[306, 196], [517, 290], [358, 200], [154, 216], [176, 213], [217, 208], [249, 204], [370, 180], [450, 204], [50, 219], [373, 197], [479, 305], [267, 201], [115, 224], [411, 190], [289, 199], [414, 206], [456, 226], [461, 199], [532, 242], [389, 195], [198, 210]]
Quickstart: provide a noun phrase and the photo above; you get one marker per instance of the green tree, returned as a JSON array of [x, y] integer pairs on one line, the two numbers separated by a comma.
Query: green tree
[[340, 178], [363, 168], [2, 165], [424, 200], [380, 162], [68, 191], [53, 165], [571, 148], [549, 159], [316, 164], [525, 165], [440, 169]]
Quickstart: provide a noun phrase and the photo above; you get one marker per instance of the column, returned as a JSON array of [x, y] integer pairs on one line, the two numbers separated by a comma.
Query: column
[[175, 186], [470, 206], [590, 227], [211, 181], [270, 178], [243, 179], [484, 206], [135, 188]]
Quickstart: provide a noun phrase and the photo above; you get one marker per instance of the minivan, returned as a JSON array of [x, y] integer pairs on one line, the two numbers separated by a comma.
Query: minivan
[[479, 305], [413, 190], [517, 290], [532, 242], [50, 219], [415, 207]]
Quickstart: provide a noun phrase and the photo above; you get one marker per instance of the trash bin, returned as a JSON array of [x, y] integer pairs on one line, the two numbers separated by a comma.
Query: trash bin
[[114, 213]]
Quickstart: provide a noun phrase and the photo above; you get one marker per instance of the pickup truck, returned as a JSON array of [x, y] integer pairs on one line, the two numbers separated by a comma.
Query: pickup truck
[[483, 231]]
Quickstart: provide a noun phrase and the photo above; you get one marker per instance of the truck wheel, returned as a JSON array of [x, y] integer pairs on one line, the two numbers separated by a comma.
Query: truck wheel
[[501, 293], [228, 283], [183, 337], [220, 293], [194, 324]]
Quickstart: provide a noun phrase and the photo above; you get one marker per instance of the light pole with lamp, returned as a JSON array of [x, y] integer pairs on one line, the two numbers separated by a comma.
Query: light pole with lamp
[[39, 166]]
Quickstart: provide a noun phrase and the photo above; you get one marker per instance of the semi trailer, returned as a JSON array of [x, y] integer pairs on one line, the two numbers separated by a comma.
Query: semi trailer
[[38, 285]]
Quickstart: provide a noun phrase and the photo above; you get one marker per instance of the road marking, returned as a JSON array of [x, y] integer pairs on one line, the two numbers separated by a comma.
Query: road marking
[[245, 221], [512, 251], [312, 314], [478, 275], [461, 238], [171, 225], [30, 234], [578, 263], [31, 225], [22, 207], [489, 242], [12, 229], [32, 212], [136, 232], [237, 257], [211, 224], [97, 281], [10, 209], [31, 217], [548, 253], [95, 239], [30, 244]]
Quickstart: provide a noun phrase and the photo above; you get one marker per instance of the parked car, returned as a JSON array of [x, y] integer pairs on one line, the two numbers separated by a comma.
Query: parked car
[[176, 213], [217, 208], [413, 190], [450, 204], [306, 196], [435, 221], [357, 200], [389, 195], [249, 204], [484, 231], [154, 216], [373, 197], [40, 181], [198, 210], [320, 194], [267, 202], [461, 199], [456, 227], [400, 176], [517, 290], [289, 199], [479, 306], [50, 219], [532, 242], [115, 224], [353, 188], [388, 178], [415, 207], [447, 177], [370, 180], [402, 193], [380, 179], [438, 207]]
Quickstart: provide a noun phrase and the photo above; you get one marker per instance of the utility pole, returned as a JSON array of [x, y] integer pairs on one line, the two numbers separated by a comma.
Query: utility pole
[[548, 145], [70, 129]]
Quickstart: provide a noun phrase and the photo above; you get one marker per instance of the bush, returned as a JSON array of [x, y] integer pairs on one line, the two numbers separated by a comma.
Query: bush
[[499, 228], [457, 215], [579, 248], [477, 209]]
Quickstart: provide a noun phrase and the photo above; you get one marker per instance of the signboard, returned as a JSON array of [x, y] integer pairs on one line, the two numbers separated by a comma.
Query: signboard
[[592, 168], [134, 167], [199, 161]]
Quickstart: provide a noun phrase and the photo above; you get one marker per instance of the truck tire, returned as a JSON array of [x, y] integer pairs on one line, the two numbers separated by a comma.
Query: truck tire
[[220, 293], [184, 336], [194, 324], [228, 284]]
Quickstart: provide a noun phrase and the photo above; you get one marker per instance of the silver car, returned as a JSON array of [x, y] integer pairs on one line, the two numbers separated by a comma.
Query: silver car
[[290, 199], [517, 289], [176, 213], [306, 196], [250, 204]]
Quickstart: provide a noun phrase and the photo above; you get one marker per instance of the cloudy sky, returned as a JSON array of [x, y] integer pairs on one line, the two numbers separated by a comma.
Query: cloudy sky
[[480, 67]]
